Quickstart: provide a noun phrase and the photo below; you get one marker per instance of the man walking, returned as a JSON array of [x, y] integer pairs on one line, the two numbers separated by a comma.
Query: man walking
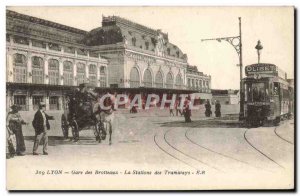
[[41, 125]]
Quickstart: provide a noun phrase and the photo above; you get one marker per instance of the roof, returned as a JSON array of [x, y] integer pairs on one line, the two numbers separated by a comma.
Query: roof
[[40, 21], [116, 29]]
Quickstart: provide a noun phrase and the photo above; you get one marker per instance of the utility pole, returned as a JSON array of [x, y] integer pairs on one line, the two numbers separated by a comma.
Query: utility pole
[[236, 42]]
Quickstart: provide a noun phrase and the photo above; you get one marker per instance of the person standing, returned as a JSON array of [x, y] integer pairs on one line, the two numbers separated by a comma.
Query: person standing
[[207, 109], [218, 109], [41, 125], [187, 111], [14, 124]]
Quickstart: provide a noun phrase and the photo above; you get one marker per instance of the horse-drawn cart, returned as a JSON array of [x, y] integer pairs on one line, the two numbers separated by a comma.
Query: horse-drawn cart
[[81, 113]]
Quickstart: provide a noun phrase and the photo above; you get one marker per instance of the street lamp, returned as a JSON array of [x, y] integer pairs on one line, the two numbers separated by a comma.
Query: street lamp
[[258, 47], [236, 42]]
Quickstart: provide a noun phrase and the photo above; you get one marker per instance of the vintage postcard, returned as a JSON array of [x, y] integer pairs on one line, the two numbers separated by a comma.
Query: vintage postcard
[[150, 98]]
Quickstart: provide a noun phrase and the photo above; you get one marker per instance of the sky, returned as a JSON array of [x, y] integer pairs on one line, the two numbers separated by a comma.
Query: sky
[[186, 26]]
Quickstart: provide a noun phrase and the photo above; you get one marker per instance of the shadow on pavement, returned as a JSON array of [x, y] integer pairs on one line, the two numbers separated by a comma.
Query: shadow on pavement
[[59, 140], [208, 123]]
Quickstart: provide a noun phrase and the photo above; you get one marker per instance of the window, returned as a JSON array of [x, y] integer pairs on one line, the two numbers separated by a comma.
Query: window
[[53, 65], [256, 92], [93, 74], [38, 44], [21, 40], [177, 54], [134, 78], [53, 46], [147, 78], [102, 76], [80, 73], [159, 80], [68, 73], [189, 82], [70, 50], [133, 41], [21, 101], [54, 104], [37, 70], [20, 68], [169, 80], [178, 82], [147, 45], [82, 52]]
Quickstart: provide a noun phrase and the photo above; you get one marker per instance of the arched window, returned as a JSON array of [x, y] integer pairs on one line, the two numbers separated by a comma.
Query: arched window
[[147, 78], [134, 78], [53, 66], [189, 82], [196, 83], [37, 70], [169, 80], [133, 41], [200, 84], [93, 74], [159, 80], [68, 73], [178, 82], [103, 76], [80, 73], [20, 68], [193, 83]]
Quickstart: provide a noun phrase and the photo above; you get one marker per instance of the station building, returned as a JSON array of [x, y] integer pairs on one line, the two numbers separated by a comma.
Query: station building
[[45, 59]]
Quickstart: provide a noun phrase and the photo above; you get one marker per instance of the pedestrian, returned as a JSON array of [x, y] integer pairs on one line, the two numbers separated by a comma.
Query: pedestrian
[[14, 124], [171, 111], [187, 111], [218, 109], [208, 111], [41, 126], [177, 108]]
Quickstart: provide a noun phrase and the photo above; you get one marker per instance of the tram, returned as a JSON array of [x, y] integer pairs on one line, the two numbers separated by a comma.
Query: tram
[[268, 95]]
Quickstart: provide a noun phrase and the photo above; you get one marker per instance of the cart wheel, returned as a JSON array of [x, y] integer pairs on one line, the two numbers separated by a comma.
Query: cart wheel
[[102, 131], [75, 130], [64, 126]]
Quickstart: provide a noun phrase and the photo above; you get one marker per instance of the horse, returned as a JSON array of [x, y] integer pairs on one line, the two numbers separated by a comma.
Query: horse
[[106, 116]]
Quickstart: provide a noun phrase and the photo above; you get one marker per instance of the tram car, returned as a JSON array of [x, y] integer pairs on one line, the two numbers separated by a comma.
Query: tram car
[[79, 114], [268, 95]]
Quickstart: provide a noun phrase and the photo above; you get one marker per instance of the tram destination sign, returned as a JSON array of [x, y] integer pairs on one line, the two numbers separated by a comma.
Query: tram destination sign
[[264, 69], [261, 68]]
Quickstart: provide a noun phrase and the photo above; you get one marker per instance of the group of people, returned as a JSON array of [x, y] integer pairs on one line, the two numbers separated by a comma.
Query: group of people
[[208, 111], [14, 124], [187, 113]]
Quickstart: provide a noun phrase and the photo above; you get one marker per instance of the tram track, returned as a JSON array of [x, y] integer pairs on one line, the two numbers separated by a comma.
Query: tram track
[[258, 150], [282, 137], [181, 152], [220, 154], [173, 147], [165, 151]]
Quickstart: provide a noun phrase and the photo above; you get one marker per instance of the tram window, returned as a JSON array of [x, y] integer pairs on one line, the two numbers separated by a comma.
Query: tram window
[[276, 88], [271, 88], [258, 92]]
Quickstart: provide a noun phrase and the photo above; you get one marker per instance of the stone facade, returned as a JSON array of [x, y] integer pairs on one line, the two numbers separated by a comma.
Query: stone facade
[[120, 54], [40, 52]]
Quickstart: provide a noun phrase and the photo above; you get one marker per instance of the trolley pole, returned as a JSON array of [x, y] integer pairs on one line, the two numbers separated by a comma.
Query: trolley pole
[[238, 48]]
